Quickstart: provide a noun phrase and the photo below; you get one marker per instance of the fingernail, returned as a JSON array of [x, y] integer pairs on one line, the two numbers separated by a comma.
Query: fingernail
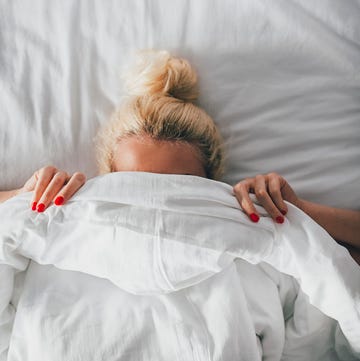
[[283, 212], [41, 207], [59, 200], [254, 217], [280, 219], [34, 206]]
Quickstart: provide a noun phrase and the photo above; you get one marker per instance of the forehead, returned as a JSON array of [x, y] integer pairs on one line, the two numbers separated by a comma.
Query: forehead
[[158, 156]]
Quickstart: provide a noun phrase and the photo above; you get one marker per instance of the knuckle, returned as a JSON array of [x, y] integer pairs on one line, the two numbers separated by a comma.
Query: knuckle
[[48, 169], [42, 183], [275, 192], [259, 177], [59, 180], [239, 187], [273, 175], [61, 176], [81, 177], [261, 193]]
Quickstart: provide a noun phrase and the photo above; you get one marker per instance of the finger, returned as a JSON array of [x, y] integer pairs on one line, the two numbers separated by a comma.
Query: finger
[[275, 193], [241, 191], [59, 179], [264, 198], [44, 177], [29, 186], [74, 184]]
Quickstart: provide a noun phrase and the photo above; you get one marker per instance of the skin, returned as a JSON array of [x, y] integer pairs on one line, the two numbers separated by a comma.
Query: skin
[[170, 157], [144, 154]]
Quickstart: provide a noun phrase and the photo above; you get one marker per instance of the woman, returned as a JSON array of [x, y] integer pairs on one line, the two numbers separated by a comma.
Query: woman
[[159, 129]]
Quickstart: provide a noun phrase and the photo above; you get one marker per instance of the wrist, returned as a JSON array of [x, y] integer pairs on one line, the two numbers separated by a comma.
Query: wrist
[[301, 204], [5, 195]]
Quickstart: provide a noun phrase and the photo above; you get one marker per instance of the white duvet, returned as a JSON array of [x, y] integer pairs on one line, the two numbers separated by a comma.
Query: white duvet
[[141, 266]]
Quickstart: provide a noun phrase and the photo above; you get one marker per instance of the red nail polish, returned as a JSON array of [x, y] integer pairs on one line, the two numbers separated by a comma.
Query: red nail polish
[[34, 206], [254, 217], [41, 207], [59, 200], [280, 219], [283, 212]]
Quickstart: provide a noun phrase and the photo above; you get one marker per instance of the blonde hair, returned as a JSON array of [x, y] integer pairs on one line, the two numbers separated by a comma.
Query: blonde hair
[[162, 90]]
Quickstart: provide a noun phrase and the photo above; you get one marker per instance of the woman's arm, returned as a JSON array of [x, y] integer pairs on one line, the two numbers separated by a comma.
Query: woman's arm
[[5, 195], [342, 224]]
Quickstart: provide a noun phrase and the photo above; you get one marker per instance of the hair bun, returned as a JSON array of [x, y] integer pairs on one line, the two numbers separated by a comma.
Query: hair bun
[[156, 72]]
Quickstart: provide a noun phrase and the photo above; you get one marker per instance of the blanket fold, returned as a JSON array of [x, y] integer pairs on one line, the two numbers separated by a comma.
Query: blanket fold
[[153, 235]]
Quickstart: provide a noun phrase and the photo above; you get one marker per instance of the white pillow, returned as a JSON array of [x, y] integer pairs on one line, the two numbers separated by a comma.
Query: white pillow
[[280, 80]]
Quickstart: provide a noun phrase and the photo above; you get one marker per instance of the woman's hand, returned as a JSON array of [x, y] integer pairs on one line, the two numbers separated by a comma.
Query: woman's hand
[[271, 190], [51, 184]]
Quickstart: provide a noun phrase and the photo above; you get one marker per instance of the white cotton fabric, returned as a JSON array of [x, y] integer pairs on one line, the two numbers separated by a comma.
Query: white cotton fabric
[[280, 78], [141, 266]]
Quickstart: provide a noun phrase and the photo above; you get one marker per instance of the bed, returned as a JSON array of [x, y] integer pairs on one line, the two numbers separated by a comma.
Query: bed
[[280, 78]]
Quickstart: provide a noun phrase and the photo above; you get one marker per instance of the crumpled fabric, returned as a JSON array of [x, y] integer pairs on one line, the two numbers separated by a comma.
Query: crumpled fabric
[[142, 266]]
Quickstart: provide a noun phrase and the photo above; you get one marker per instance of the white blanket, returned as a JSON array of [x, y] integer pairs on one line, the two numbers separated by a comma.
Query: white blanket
[[141, 266]]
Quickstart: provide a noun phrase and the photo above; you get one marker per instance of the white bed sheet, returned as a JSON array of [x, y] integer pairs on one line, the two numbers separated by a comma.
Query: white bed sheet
[[281, 79]]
